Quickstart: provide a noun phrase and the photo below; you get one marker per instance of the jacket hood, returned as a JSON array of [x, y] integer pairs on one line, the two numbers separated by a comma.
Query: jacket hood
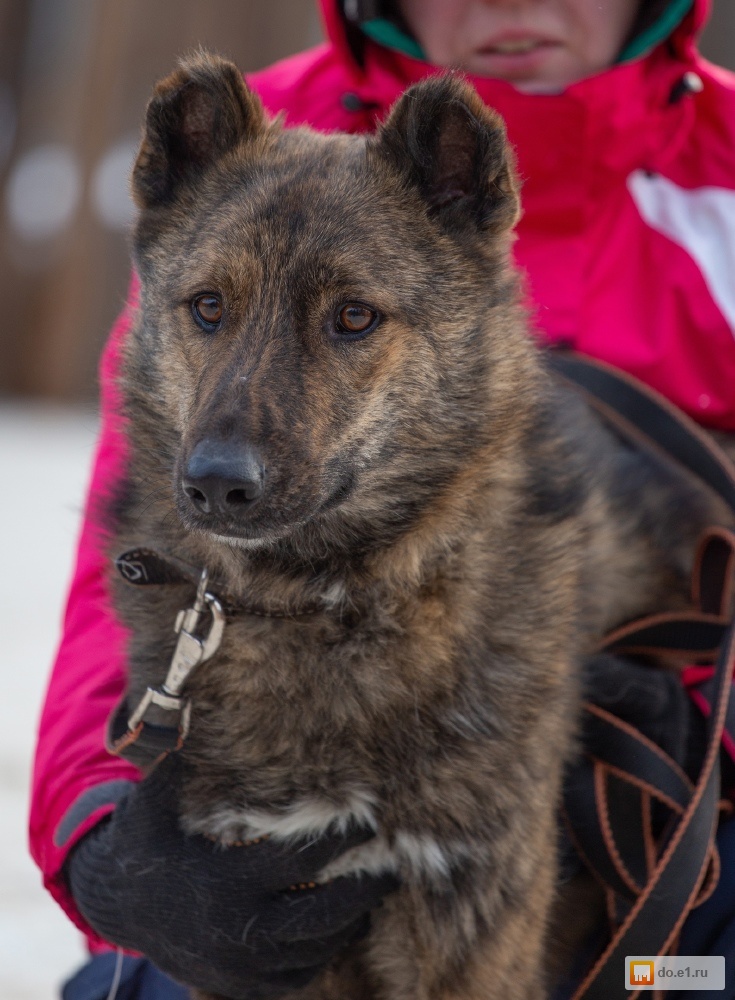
[[350, 42]]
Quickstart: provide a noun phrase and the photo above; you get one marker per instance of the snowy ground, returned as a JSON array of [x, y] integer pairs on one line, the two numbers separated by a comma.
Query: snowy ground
[[44, 456]]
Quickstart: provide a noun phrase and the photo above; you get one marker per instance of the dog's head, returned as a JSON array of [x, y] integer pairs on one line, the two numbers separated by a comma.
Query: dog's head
[[327, 325]]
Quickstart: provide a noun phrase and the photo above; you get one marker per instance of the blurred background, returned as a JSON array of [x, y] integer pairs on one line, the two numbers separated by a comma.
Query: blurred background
[[75, 76]]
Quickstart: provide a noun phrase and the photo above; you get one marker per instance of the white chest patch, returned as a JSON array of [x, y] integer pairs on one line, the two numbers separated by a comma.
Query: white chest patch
[[418, 854], [701, 221], [305, 818]]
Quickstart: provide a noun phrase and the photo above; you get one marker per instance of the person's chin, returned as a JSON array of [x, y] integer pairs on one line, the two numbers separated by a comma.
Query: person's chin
[[539, 86], [534, 72]]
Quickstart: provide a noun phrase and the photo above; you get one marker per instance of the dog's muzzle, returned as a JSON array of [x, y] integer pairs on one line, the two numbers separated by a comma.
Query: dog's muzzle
[[223, 478]]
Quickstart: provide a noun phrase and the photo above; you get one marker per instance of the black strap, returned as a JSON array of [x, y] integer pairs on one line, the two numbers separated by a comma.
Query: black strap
[[681, 636], [706, 691], [586, 830], [145, 567], [640, 412], [655, 920], [684, 858], [147, 744], [625, 749]]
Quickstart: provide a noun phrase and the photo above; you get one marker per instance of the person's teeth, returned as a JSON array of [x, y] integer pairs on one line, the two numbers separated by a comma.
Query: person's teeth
[[510, 48]]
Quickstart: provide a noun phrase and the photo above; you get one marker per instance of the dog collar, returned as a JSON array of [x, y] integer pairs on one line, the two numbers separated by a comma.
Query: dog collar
[[159, 723], [147, 567]]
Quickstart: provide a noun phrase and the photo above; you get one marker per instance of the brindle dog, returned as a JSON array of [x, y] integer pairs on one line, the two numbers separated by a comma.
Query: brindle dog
[[335, 406]]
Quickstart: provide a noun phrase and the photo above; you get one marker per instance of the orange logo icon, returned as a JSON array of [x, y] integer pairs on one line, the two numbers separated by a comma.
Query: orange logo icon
[[641, 973]]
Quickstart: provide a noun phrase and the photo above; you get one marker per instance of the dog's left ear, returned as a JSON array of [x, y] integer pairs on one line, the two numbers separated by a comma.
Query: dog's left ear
[[196, 115], [454, 149]]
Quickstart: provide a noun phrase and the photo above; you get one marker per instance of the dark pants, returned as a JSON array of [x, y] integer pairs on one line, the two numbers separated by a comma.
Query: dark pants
[[710, 930], [139, 981]]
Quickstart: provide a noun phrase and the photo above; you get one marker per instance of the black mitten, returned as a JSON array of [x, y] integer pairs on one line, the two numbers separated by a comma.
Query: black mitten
[[651, 699], [220, 919]]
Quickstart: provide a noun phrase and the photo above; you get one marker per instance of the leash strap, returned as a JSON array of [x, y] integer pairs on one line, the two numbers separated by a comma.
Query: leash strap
[[146, 744], [647, 418], [675, 885], [159, 723], [655, 875]]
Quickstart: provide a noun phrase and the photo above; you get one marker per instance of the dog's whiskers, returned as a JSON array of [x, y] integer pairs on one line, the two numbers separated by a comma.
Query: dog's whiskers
[[149, 501]]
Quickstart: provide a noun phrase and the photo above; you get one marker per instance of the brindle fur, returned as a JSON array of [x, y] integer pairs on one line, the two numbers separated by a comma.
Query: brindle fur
[[466, 525]]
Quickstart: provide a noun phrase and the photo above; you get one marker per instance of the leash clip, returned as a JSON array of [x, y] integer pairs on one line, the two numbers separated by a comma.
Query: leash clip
[[191, 650]]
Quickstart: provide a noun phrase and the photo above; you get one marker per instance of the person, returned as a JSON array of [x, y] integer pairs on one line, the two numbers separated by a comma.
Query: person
[[625, 140]]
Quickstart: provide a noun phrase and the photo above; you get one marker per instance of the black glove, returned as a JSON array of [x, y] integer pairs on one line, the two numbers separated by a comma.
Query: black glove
[[219, 919]]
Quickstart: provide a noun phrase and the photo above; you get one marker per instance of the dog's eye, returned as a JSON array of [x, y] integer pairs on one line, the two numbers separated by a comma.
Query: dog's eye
[[207, 311], [356, 318]]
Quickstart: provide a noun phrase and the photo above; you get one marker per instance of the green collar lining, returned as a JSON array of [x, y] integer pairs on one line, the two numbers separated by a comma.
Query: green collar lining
[[658, 31], [385, 33], [389, 35]]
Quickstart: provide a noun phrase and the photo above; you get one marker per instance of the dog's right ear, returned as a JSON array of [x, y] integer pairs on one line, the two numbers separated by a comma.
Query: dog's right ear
[[453, 149], [196, 114]]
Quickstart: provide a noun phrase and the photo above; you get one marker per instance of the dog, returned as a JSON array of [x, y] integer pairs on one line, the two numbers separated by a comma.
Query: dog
[[335, 405]]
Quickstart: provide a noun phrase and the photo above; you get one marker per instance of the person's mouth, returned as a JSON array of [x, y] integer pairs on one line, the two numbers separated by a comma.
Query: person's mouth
[[512, 55], [511, 48]]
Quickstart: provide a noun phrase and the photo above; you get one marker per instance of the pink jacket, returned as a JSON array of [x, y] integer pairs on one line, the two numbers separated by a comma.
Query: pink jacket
[[628, 244]]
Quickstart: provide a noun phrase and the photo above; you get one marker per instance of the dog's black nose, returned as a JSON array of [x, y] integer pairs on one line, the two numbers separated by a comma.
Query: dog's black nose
[[223, 477]]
